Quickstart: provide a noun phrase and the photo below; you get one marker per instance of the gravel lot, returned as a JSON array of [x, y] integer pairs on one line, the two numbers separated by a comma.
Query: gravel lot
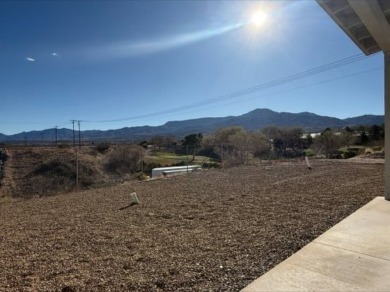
[[213, 230]]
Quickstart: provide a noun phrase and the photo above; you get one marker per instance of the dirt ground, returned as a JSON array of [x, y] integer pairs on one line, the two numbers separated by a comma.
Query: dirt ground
[[214, 230]]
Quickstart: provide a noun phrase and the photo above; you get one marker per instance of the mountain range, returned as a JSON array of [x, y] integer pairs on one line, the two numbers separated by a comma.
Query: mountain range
[[254, 120]]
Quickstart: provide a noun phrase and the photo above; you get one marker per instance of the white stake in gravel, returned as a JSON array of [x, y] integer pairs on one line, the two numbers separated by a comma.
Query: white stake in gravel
[[133, 199], [307, 162]]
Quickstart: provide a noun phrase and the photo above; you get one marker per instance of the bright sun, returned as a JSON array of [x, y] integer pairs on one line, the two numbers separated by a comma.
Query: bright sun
[[259, 18]]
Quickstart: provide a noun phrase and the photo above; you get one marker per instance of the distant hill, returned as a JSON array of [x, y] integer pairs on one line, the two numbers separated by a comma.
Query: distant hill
[[253, 120]]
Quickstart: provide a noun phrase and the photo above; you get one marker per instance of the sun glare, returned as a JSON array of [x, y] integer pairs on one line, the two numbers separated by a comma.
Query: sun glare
[[259, 18]]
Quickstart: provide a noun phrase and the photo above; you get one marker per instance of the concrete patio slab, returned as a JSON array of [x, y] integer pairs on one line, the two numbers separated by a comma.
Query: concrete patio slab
[[354, 255]]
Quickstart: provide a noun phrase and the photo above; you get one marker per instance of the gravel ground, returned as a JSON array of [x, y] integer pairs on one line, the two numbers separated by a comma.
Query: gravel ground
[[214, 230]]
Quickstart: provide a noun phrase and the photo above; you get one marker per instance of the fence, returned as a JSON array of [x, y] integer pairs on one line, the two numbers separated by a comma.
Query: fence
[[49, 170], [30, 171]]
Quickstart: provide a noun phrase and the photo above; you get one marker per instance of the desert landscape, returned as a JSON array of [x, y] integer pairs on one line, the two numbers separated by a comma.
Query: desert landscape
[[283, 128], [214, 230]]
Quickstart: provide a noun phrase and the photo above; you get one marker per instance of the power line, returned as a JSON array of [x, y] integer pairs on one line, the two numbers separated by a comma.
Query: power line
[[261, 86], [235, 94], [295, 88], [79, 130]]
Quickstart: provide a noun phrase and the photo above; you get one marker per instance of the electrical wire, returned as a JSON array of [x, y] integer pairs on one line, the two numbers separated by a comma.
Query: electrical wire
[[303, 86], [262, 86]]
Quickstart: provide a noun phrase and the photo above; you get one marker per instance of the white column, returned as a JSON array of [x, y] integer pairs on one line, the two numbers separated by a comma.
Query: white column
[[387, 124]]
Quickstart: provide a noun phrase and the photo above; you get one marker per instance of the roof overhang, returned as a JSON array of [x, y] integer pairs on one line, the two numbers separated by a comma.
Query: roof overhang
[[366, 22]]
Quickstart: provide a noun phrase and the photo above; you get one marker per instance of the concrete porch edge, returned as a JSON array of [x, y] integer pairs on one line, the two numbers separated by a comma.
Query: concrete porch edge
[[353, 255]]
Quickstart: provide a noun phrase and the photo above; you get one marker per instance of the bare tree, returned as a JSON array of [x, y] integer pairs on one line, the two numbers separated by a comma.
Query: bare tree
[[242, 146], [125, 159], [156, 141], [328, 142], [261, 144], [348, 137]]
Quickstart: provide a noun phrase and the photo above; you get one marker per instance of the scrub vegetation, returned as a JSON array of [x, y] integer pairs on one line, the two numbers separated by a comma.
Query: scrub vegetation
[[215, 229]]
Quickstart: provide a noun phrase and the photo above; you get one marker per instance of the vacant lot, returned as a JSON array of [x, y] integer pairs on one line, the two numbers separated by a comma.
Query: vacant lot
[[211, 230]]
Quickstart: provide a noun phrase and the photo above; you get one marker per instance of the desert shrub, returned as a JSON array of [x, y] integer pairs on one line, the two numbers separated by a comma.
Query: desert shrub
[[354, 149], [349, 154], [181, 163], [3, 158], [141, 176], [103, 147], [64, 146], [376, 148], [210, 152], [87, 174], [336, 154], [149, 166], [3, 155], [291, 153], [54, 168], [309, 153], [211, 165], [58, 176], [262, 154], [124, 159], [144, 144], [234, 158], [50, 178]]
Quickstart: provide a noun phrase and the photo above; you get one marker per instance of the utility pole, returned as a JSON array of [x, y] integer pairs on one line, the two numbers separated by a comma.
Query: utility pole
[[77, 170], [78, 123], [74, 139], [77, 156], [56, 129]]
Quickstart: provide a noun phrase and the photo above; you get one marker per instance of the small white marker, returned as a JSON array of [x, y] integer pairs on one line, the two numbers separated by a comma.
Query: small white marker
[[307, 162], [133, 199]]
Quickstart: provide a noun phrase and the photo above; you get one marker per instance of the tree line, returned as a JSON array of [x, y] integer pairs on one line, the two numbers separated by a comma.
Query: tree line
[[235, 145], [232, 146]]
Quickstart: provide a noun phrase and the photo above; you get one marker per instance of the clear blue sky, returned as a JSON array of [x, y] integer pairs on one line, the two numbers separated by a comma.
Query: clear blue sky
[[115, 64]]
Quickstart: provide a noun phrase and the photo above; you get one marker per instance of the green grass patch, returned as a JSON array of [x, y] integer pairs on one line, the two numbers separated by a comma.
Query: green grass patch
[[309, 152], [169, 158]]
